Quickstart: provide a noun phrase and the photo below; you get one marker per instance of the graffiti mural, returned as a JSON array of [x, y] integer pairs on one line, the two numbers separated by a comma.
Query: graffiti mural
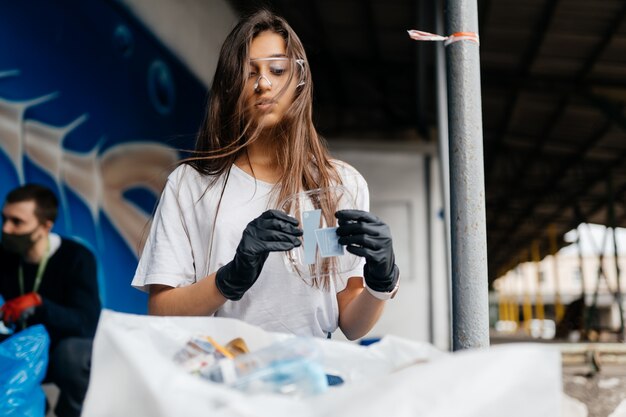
[[94, 107]]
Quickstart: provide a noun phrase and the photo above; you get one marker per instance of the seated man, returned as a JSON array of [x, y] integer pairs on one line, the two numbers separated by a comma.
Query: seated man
[[53, 281]]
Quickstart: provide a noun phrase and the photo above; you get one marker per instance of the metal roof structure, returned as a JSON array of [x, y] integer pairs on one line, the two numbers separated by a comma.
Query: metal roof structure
[[553, 76]]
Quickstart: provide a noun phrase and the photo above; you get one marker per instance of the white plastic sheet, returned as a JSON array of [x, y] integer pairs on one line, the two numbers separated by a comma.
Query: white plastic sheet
[[133, 375]]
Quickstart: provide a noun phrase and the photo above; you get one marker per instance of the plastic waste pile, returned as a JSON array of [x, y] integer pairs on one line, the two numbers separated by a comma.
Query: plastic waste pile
[[158, 367], [291, 367]]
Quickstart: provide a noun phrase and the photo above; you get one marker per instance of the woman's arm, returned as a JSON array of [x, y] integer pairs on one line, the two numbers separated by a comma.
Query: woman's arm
[[272, 231], [358, 309], [199, 299], [366, 235]]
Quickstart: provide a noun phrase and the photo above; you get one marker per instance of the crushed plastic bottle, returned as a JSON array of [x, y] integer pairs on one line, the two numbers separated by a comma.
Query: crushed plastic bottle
[[290, 367]]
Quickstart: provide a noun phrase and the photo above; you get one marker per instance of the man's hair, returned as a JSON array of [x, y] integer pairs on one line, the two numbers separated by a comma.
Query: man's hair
[[46, 203]]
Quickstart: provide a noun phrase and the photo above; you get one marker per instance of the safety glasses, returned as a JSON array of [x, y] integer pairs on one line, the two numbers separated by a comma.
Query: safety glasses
[[275, 72]]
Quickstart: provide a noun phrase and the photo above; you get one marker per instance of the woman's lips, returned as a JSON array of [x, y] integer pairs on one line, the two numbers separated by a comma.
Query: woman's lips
[[264, 105]]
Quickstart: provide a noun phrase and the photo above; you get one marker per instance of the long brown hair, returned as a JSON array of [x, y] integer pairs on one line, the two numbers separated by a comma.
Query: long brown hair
[[301, 154]]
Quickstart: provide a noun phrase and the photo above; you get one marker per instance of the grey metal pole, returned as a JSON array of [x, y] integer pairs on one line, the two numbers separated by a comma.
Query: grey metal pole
[[470, 309]]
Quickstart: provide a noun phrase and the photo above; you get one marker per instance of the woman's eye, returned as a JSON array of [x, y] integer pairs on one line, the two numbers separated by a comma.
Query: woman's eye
[[278, 70]]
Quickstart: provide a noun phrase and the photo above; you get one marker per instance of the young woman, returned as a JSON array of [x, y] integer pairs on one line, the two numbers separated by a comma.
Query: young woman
[[217, 240]]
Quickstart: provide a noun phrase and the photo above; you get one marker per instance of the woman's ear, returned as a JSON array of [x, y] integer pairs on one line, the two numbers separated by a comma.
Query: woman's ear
[[48, 224]]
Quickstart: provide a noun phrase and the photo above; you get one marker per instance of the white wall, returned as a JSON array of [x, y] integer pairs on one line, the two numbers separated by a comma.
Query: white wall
[[440, 274], [396, 179], [193, 30]]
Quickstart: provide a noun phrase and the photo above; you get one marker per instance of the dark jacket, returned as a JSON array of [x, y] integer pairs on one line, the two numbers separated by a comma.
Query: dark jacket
[[69, 290]]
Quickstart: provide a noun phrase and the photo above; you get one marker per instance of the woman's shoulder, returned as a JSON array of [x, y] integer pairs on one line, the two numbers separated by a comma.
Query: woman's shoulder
[[185, 183], [185, 187], [346, 171], [183, 172], [353, 181], [186, 176]]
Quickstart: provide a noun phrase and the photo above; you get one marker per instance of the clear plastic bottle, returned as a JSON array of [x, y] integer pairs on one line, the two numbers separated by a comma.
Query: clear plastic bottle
[[291, 367]]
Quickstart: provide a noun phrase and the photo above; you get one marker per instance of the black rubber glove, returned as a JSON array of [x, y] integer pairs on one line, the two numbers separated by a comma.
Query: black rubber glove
[[366, 235], [272, 231]]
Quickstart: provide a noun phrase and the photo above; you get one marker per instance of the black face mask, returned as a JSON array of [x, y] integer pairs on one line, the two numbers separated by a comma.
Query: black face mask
[[18, 244]]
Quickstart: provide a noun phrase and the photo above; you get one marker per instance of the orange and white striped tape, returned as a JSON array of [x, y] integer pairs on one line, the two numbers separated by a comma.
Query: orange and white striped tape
[[419, 35]]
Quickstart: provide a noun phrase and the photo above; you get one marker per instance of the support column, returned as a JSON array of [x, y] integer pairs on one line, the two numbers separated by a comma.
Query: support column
[[467, 189]]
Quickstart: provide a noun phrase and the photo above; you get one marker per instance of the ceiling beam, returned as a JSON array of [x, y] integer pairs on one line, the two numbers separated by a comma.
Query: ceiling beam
[[539, 31], [379, 84], [498, 80], [425, 18], [550, 189], [610, 109], [580, 217], [504, 247], [537, 149], [335, 74], [484, 7]]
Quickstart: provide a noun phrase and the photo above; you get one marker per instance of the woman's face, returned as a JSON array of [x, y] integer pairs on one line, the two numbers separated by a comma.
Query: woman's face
[[270, 70]]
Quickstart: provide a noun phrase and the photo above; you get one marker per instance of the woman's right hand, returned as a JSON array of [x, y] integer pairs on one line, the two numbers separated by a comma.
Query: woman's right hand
[[272, 231]]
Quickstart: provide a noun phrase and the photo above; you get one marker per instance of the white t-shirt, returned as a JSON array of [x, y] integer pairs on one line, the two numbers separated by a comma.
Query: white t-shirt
[[176, 253]]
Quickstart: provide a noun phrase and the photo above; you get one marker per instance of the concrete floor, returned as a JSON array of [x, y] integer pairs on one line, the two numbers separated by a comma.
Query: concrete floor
[[593, 373], [601, 391]]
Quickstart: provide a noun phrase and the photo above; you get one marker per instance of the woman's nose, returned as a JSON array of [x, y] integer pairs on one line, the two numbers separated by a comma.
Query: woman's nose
[[262, 83]]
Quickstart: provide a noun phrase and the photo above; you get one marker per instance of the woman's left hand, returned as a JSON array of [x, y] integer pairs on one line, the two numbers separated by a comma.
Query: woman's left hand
[[366, 235]]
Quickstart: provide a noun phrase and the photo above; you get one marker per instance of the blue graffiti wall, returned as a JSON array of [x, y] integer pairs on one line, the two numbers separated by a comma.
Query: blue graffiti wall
[[93, 106]]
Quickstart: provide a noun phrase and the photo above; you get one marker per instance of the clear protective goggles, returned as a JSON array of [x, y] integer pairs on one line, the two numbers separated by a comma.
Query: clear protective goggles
[[276, 72]]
